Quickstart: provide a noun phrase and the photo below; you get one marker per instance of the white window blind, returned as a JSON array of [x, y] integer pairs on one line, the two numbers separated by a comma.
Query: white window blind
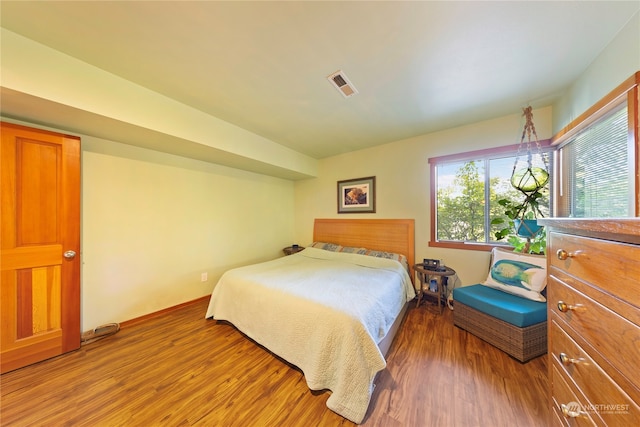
[[597, 174]]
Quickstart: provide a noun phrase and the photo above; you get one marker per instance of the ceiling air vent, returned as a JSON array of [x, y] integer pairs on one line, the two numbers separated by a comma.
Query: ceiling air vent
[[342, 83]]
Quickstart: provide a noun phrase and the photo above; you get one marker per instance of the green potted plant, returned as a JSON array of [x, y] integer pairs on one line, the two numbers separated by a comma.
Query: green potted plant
[[521, 226]]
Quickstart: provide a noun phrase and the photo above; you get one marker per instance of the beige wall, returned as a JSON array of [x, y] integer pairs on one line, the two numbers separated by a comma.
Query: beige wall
[[402, 183], [152, 223], [619, 61]]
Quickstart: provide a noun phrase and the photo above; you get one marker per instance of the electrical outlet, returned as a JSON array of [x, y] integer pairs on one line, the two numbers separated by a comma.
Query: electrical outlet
[[204, 277]]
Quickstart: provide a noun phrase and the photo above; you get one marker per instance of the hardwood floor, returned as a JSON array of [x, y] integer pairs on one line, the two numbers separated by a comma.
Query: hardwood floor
[[179, 369]]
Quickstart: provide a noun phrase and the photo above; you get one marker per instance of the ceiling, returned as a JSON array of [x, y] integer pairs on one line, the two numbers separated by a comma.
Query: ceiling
[[419, 67]]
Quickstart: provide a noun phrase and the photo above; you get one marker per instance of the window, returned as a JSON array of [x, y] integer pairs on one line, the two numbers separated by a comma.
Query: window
[[464, 197], [597, 163], [597, 159], [596, 180]]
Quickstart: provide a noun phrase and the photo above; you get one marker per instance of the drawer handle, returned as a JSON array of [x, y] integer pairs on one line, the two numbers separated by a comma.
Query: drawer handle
[[572, 410], [566, 360], [562, 254], [564, 307]]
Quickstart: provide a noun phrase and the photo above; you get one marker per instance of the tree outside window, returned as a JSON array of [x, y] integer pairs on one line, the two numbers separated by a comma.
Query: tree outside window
[[466, 197]]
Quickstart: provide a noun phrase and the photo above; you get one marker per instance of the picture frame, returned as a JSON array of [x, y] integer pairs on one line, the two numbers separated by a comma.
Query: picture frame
[[357, 195]]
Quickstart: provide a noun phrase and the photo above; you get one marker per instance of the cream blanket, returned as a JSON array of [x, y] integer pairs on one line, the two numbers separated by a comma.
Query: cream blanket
[[324, 312]]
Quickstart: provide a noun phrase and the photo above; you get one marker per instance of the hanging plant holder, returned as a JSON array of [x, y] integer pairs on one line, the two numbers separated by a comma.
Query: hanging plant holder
[[531, 174]]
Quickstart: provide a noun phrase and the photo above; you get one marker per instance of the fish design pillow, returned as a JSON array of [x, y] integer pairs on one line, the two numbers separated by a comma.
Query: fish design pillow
[[520, 274]]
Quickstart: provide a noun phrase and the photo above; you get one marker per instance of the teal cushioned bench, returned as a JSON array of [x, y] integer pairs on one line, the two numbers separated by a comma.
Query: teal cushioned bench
[[514, 324], [511, 308]]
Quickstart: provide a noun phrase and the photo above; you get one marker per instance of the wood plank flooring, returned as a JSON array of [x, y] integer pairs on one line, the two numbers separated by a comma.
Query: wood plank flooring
[[179, 369]]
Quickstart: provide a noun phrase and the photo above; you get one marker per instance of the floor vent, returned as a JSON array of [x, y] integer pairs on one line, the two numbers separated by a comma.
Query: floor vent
[[342, 83]]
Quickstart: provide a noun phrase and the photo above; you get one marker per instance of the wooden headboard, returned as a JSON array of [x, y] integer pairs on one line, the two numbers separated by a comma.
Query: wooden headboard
[[391, 235]]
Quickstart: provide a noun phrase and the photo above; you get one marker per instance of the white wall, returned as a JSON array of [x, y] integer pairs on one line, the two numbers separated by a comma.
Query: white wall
[[402, 183]]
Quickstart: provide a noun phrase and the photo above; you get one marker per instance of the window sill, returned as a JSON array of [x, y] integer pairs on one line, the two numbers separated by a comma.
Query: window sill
[[469, 246]]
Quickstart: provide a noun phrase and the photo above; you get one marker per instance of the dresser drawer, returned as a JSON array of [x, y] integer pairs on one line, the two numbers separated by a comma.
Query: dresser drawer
[[567, 406], [612, 266], [593, 294], [615, 340], [607, 400]]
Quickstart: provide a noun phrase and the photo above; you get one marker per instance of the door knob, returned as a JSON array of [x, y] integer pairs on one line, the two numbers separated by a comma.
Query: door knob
[[69, 254]]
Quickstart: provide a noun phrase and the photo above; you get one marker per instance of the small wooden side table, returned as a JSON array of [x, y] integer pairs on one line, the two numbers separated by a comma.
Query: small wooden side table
[[424, 279], [290, 250]]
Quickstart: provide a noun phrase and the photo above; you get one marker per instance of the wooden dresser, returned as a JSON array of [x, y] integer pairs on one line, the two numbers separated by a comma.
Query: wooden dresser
[[593, 295]]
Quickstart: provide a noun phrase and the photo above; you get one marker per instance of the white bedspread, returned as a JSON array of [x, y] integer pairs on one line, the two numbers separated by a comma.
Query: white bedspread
[[324, 312]]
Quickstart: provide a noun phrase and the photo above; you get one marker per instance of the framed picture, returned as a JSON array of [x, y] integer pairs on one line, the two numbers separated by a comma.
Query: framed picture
[[357, 195]]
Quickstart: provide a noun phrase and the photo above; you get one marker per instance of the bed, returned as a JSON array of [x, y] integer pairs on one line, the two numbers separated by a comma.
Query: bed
[[332, 313]]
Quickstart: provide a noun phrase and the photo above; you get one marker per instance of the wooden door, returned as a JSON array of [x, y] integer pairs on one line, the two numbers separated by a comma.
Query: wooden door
[[40, 245]]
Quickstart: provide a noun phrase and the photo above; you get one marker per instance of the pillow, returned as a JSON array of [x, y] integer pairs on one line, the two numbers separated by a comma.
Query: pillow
[[519, 274], [390, 255], [332, 247], [354, 250]]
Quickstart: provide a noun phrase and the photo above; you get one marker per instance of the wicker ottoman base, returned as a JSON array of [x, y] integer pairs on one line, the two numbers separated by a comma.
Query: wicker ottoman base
[[521, 343]]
